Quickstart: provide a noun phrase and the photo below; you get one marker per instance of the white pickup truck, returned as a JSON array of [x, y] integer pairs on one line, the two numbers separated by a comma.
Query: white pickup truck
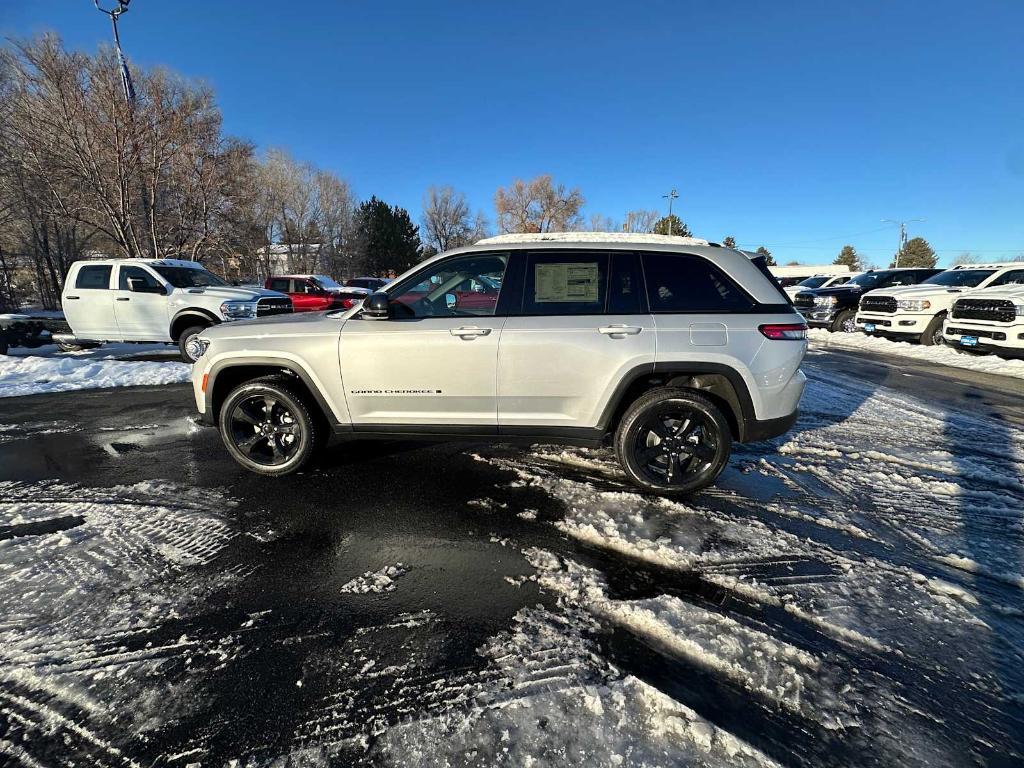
[[155, 300]]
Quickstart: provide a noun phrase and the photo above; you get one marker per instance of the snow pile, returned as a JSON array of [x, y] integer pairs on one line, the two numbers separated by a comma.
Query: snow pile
[[382, 580], [34, 375], [821, 338], [556, 702]]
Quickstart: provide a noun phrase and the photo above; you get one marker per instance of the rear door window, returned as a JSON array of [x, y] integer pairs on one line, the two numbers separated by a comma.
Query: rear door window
[[687, 283], [279, 285], [96, 276], [565, 283]]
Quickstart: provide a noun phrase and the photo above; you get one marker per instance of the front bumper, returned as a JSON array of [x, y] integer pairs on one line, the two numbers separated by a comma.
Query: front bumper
[[819, 318], [897, 324], [1001, 338]]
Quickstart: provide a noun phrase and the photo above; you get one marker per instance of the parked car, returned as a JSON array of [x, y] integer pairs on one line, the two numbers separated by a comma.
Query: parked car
[[917, 312], [316, 293], [836, 308], [989, 320], [369, 283], [668, 348], [156, 300], [818, 281]]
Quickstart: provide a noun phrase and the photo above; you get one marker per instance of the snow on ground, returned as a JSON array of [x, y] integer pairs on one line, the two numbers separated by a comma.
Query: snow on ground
[[93, 582], [33, 375], [822, 339], [382, 580], [875, 589]]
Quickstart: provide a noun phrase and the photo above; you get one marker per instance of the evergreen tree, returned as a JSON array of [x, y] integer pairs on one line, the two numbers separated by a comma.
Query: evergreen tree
[[729, 241], [849, 256], [388, 240], [761, 250], [678, 228], [916, 253]]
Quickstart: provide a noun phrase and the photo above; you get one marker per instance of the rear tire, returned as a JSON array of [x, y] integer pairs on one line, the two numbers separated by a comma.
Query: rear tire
[[3, 343], [189, 352], [673, 441], [932, 336], [845, 322], [269, 427]]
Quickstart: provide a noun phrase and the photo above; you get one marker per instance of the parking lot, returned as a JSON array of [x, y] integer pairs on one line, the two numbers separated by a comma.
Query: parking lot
[[847, 594]]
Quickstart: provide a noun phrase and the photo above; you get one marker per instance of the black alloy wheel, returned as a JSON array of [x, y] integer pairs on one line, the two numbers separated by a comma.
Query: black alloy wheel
[[673, 441], [268, 426]]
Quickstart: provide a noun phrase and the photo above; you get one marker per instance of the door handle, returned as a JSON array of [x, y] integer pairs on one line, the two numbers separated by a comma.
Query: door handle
[[619, 330], [71, 298], [470, 333], [122, 299]]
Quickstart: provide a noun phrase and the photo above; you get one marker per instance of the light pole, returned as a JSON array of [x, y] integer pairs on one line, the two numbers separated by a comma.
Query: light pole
[[126, 77], [903, 234], [671, 196]]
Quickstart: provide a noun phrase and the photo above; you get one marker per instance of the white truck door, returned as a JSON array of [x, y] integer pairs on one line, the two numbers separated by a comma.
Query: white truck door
[[89, 304], [141, 314]]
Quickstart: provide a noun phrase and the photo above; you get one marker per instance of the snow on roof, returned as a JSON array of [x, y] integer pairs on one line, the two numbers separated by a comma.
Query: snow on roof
[[591, 237]]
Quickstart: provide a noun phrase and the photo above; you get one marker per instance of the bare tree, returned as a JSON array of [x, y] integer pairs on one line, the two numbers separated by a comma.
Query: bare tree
[[640, 221], [446, 219], [538, 205]]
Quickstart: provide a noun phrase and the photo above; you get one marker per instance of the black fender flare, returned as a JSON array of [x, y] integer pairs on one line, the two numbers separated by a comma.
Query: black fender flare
[[741, 403], [197, 312]]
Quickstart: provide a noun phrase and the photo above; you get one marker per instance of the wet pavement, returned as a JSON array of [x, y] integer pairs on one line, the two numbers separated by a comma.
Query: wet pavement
[[255, 638]]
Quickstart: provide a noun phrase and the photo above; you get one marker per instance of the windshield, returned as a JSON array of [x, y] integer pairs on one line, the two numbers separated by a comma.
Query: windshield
[[813, 282], [968, 278], [868, 279], [185, 277], [326, 282]]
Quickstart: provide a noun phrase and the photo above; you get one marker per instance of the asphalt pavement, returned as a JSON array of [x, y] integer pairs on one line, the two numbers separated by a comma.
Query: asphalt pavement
[[278, 598]]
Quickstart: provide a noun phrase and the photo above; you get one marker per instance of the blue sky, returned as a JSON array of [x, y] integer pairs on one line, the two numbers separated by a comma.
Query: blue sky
[[799, 125]]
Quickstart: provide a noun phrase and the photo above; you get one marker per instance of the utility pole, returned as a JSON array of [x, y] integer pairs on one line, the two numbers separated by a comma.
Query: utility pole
[[671, 196], [903, 235], [126, 77]]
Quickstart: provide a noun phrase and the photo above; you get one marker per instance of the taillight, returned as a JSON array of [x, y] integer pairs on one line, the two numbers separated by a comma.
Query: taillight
[[348, 303], [785, 332]]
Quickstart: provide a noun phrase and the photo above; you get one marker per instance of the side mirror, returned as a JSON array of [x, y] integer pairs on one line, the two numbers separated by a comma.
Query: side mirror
[[376, 306]]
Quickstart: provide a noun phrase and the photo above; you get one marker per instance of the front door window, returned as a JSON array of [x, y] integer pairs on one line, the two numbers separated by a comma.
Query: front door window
[[466, 286]]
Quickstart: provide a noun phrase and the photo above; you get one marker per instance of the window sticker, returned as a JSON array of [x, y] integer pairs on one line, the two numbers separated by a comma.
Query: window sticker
[[566, 283]]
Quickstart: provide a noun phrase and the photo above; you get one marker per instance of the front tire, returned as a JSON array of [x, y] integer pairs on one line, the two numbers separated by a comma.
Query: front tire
[[932, 336], [269, 427], [846, 322], [187, 345], [673, 441]]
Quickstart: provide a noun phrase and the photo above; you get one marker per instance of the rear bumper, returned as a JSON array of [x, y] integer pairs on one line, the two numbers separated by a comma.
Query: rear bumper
[[755, 430]]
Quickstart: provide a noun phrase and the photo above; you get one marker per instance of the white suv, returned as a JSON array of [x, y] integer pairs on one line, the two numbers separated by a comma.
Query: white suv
[[670, 347], [912, 312], [161, 300], [989, 320]]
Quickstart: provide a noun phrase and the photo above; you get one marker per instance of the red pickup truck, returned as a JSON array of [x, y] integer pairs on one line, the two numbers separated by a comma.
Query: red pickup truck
[[315, 293]]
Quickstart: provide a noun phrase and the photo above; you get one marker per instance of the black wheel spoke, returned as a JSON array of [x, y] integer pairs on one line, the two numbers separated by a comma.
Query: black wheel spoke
[[684, 427], [675, 471], [268, 404], [241, 414], [275, 447], [249, 443], [289, 429], [646, 455]]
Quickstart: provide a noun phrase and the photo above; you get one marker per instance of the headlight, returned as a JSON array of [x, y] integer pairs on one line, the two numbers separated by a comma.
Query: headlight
[[1020, 310], [196, 347], [913, 305], [825, 301], [238, 310]]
